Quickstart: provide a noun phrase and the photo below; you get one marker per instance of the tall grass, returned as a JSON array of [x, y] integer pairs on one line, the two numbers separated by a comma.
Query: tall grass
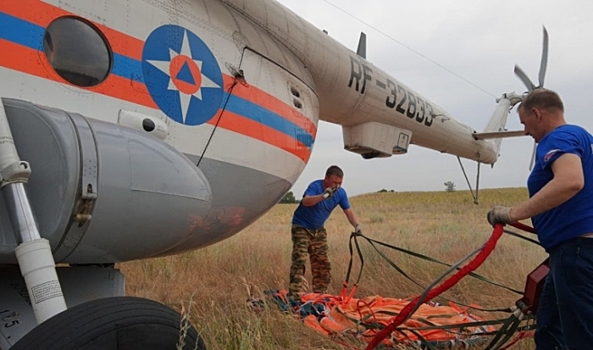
[[443, 225]]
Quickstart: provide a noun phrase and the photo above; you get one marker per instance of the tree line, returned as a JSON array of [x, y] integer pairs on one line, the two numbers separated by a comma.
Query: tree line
[[289, 197]]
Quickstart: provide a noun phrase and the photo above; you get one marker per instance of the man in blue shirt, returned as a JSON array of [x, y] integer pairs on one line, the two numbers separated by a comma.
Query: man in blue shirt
[[309, 238], [561, 209]]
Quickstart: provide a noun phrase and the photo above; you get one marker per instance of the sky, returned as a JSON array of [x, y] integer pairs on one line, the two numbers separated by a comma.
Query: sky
[[459, 54]]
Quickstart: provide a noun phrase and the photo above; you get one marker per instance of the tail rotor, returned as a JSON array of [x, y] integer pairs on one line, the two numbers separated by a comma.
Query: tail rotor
[[544, 64], [530, 86], [542, 68]]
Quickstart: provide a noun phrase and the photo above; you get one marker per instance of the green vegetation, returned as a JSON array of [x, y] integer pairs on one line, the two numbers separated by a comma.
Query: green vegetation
[[443, 225], [449, 186], [288, 198]]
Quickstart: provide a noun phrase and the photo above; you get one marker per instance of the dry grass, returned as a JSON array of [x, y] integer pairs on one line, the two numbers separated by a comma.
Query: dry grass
[[443, 225]]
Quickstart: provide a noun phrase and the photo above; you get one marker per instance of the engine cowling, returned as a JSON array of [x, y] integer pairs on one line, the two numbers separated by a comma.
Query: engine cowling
[[101, 192]]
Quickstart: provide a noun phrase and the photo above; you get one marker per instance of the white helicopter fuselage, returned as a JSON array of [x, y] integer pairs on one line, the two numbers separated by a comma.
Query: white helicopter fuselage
[[150, 128], [237, 87]]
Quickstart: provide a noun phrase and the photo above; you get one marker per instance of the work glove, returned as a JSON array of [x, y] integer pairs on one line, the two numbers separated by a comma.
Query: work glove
[[499, 215], [357, 230], [329, 192]]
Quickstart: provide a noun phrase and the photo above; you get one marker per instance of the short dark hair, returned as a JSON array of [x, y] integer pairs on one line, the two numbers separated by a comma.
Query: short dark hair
[[334, 170], [542, 98]]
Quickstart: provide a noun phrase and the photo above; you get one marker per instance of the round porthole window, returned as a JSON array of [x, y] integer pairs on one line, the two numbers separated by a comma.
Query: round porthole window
[[77, 51]]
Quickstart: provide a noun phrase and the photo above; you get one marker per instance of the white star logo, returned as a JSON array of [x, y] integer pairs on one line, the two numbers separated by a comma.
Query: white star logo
[[186, 89]]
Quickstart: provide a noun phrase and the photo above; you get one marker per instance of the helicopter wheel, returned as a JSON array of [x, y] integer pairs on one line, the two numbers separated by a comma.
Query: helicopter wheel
[[123, 323]]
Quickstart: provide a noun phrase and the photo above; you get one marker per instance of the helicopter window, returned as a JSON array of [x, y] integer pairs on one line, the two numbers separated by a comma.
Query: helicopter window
[[77, 51]]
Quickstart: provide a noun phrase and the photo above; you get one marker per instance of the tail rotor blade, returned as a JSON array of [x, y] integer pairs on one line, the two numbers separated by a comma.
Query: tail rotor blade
[[544, 63], [519, 72]]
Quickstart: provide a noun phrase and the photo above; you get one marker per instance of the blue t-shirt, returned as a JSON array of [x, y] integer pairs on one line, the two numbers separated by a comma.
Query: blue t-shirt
[[314, 217], [575, 216]]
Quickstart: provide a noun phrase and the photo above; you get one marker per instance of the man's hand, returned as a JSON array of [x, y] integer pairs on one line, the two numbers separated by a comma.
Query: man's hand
[[357, 230], [329, 192], [499, 215]]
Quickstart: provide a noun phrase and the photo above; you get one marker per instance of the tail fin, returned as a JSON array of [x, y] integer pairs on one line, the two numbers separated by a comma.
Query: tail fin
[[495, 129]]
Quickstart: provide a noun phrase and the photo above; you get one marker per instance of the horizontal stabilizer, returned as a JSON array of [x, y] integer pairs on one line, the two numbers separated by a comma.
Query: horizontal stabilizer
[[498, 134]]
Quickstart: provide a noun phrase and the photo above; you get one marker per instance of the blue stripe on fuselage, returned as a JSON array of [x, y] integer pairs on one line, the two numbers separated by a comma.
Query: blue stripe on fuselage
[[264, 116], [31, 35]]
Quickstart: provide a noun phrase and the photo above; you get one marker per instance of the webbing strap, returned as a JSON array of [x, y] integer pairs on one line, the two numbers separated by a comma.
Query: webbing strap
[[515, 234], [522, 334], [373, 243], [472, 265], [506, 331], [353, 239], [344, 293]]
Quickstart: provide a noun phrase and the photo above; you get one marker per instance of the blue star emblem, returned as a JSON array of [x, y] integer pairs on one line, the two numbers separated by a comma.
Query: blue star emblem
[[182, 75]]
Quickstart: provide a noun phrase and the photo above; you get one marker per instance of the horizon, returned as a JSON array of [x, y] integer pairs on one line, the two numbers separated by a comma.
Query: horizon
[[386, 190]]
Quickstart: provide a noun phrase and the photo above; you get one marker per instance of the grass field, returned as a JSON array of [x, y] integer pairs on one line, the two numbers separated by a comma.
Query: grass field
[[214, 283]]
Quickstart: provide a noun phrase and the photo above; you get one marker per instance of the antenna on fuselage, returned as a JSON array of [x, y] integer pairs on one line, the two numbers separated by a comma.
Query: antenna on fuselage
[[362, 46]]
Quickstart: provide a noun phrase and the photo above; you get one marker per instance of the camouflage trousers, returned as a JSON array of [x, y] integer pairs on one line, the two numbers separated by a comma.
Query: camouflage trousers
[[312, 244]]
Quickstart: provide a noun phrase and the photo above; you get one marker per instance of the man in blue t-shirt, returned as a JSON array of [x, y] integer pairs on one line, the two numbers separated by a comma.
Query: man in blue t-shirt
[[561, 210], [309, 237]]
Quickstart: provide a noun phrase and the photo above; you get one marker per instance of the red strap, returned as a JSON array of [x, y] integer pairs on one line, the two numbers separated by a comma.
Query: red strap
[[524, 227], [471, 266]]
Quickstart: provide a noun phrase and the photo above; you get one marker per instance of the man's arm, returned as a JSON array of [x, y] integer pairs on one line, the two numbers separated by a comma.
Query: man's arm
[[309, 200], [312, 200], [351, 217], [568, 181]]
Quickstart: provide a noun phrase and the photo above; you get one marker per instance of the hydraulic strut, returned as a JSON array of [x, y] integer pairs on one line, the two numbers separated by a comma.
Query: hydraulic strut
[[33, 253]]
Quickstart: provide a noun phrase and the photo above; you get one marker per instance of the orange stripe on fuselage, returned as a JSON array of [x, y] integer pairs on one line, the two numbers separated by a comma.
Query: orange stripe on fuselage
[[23, 59], [126, 90], [33, 11], [26, 60], [42, 14], [271, 103], [245, 126]]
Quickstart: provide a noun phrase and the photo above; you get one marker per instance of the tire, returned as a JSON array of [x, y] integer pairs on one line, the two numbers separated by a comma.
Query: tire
[[122, 323]]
